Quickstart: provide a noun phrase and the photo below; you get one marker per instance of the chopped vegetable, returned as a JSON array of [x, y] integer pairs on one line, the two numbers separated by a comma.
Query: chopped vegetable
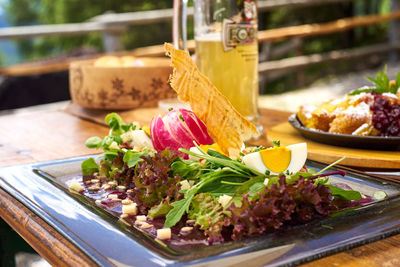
[[178, 129]]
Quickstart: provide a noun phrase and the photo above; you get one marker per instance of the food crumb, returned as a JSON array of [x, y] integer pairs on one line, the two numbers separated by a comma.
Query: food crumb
[[112, 183], [126, 202], [145, 225], [141, 218], [113, 197], [106, 186], [74, 186], [121, 188], [164, 233], [186, 229], [190, 222], [94, 188]]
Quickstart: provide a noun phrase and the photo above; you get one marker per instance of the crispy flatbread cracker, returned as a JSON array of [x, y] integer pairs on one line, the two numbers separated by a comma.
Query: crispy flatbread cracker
[[226, 126]]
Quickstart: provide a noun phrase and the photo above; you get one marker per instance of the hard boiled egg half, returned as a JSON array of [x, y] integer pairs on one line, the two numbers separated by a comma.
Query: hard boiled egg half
[[278, 159]]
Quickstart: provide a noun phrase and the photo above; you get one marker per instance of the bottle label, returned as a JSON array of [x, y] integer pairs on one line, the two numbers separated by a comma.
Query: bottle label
[[243, 29], [234, 34]]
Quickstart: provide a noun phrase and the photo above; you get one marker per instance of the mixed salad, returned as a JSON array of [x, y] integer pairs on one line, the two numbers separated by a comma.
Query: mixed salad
[[172, 181]]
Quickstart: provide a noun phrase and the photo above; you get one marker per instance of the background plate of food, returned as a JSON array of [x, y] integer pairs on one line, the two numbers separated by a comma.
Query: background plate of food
[[347, 140], [367, 118]]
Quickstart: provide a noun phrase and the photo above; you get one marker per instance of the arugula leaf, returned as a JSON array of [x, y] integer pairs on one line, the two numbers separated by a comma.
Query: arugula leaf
[[179, 208], [132, 158], [117, 125], [235, 165], [187, 169], [216, 154], [89, 166], [93, 142], [256, 187], [344, 194], [225, 184]]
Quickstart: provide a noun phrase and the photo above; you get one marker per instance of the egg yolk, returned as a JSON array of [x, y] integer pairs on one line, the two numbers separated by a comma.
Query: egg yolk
[[214, 146], [276, 159], [146, 129]]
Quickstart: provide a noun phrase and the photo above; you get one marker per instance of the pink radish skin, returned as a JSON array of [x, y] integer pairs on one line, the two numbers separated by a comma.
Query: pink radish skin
[[165, 138], [197, 127], [162, 136], [154, 138], [178, 129]]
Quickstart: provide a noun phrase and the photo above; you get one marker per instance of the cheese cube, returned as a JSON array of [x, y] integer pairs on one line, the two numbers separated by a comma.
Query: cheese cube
[[74, 186], [130, 209], [164, 234]]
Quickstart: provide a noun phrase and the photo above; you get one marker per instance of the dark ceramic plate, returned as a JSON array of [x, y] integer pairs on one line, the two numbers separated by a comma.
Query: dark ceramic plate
[[347, 140], [100, 235]]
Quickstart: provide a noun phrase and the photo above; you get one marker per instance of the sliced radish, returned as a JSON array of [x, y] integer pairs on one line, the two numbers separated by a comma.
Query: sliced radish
[[197, 127], [178, 129]]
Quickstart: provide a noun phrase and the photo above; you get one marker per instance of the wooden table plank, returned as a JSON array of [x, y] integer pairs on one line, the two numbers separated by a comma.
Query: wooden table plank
[[42, 136]]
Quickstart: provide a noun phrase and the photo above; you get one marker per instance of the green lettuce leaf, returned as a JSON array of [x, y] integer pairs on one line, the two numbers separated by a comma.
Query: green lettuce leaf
[[89, 167], [159, 210], [132, 158], [344, 194]]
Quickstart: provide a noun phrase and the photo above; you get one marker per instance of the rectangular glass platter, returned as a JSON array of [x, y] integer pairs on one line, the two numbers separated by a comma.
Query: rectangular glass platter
[[42, 188]]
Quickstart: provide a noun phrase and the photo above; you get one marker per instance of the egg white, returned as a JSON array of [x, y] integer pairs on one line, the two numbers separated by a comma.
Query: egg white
[[297, 159]]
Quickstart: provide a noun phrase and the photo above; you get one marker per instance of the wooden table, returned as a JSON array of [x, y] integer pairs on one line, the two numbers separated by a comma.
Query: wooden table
[[50, 135]]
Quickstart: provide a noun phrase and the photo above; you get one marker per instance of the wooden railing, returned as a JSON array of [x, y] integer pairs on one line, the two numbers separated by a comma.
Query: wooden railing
[[113, 25]]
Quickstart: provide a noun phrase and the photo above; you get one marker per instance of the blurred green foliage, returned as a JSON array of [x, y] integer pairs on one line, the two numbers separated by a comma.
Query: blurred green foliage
[[28, 12], [357, 37], [2, 59]]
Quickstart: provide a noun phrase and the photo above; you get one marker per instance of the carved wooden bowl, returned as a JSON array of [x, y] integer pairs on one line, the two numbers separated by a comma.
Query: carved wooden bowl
[[115, 87]]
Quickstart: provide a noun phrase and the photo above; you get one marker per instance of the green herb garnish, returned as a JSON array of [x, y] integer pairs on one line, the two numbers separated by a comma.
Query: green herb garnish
[[381, 84]]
